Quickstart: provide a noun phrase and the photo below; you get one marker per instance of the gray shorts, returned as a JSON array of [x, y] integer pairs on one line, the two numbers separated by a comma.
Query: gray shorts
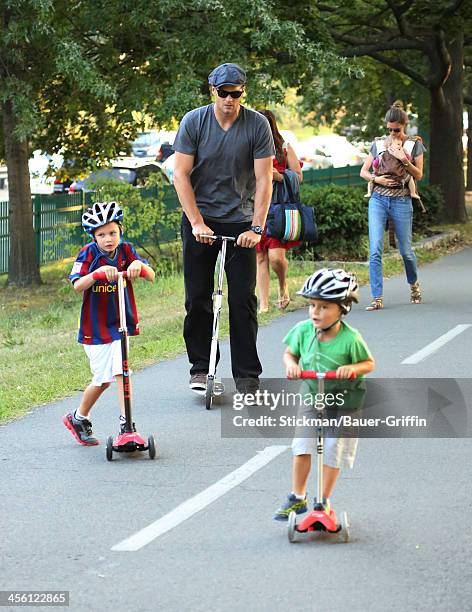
[[340, 445], [338, 452]]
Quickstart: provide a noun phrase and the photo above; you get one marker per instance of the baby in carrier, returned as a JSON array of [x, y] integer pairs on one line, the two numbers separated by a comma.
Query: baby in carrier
[[386, 164]]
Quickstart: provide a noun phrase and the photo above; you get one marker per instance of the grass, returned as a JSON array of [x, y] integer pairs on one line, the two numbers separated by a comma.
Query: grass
[[41, 360]]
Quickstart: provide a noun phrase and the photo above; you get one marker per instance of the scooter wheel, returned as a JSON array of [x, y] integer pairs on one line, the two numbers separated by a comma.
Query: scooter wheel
[[345, 531], [209, 393], [292, 521], [151, 447], [110, 448]]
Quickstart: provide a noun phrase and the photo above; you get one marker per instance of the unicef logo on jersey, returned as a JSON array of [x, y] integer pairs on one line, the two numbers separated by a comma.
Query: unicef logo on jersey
[[104, 288]]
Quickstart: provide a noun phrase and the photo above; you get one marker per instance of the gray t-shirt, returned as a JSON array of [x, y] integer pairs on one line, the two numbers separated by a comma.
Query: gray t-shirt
[[418, 149], [223, 176]]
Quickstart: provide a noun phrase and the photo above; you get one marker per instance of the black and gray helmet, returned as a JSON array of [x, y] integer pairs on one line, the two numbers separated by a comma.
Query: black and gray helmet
[[100, 214], [333, 285]]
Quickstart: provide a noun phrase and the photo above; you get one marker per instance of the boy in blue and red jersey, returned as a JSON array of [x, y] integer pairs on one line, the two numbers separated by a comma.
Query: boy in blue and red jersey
[[99, 317]]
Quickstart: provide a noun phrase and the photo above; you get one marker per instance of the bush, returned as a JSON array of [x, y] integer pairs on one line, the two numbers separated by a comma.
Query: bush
[[433, 200], [341, 216]]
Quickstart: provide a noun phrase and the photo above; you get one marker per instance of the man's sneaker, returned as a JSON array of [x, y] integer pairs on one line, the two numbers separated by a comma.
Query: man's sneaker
[[247, 385], [81, 429], [198, 383], [299, 506]]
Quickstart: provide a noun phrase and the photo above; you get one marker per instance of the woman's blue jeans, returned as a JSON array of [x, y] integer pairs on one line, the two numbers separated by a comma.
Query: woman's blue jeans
[[400, 210]]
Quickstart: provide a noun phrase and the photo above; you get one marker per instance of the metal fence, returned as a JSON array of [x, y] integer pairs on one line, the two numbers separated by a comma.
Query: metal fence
[[57, 218]]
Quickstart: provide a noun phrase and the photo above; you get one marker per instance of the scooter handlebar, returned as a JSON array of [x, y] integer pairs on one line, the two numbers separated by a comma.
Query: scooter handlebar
[[102, 275], [219, 237], [327, 375]]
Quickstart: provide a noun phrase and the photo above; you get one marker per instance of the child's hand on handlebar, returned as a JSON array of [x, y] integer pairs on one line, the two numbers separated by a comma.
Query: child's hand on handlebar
[[110, 271], [346, 371], [134, 269], [293, 371]]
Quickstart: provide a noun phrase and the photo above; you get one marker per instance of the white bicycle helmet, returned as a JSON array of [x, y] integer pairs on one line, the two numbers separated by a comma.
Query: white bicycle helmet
[[332, 285], [100, 214]]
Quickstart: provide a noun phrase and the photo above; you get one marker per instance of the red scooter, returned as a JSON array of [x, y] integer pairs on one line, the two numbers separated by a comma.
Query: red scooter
[[129, 441], [318, 519]]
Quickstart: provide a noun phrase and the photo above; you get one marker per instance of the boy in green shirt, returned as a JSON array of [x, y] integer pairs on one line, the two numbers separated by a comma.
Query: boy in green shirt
[[324, 343]]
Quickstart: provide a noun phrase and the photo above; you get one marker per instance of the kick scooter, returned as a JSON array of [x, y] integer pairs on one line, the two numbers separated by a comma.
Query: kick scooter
[[217, 301], [318, 519], [129, 441]]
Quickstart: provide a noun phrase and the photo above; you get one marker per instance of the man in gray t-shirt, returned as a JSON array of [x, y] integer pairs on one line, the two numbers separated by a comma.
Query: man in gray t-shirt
[[223, 177]]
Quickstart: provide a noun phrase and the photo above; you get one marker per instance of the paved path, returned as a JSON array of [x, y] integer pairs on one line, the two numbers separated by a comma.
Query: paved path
[[64, 507]]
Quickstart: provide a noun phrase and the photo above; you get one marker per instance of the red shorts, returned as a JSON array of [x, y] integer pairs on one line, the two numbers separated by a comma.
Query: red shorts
[[272, 243]]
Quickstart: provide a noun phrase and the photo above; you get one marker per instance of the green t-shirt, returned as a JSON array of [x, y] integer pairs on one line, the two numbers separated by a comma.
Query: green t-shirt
[[346, 348]]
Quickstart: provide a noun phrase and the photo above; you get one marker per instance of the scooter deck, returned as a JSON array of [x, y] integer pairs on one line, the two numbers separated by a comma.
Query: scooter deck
[[318, 520], [129, 442]]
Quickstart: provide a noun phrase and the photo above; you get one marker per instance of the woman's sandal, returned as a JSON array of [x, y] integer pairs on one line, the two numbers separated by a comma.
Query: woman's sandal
[[376, 304], [283, 302], [415, 297]]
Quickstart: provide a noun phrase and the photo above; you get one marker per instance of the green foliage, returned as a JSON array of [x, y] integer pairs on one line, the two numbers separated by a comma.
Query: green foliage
[[147, 223], [357, 106], [83, 76], [64, 242], [341, 216]]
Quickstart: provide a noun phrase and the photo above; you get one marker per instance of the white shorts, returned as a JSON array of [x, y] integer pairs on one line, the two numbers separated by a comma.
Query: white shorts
[[105, 361], [338, 452]]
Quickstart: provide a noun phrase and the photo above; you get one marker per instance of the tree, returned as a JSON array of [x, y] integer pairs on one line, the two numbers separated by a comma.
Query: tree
[[425, 42], [73, 74], [356, 107]]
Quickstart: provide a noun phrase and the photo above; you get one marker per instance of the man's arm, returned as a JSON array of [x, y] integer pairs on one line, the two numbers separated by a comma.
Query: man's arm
[[183, 167], [263, 171]]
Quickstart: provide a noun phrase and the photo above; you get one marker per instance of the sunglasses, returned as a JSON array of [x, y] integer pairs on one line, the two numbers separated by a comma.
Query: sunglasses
[[396, 130], [222, 93]]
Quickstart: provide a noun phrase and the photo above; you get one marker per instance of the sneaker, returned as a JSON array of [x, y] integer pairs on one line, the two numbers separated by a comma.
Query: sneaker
[[247, 385], [326, 505], [299, 506], [81, 429], [198, 383]]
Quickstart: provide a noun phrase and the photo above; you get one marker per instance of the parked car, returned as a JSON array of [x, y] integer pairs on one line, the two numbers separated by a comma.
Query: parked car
[[154, 143], [62, 185], [146, 144], [129, 170], [65, 170]]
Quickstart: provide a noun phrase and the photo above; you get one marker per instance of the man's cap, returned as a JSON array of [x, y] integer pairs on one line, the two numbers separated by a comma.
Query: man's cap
[[227, 74]]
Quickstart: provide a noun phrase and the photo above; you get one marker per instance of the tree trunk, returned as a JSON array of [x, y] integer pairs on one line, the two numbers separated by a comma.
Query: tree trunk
[[23, 266], [446, 155], [469, 149]]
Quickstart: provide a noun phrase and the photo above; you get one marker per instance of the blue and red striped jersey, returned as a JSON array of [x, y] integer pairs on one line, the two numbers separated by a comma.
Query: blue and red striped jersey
[[99, 318]]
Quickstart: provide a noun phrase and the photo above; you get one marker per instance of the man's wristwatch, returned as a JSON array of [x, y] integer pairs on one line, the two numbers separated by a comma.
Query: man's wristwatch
[[257, 229]]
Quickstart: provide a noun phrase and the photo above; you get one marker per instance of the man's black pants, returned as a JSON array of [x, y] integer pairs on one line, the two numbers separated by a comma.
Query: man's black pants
[[199, 270]]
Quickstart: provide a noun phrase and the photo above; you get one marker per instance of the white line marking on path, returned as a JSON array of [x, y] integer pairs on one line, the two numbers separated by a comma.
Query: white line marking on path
[[198, 502], [436, 345]]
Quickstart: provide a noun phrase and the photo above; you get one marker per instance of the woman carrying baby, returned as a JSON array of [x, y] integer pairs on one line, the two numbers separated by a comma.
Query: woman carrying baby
[[392, 158]]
